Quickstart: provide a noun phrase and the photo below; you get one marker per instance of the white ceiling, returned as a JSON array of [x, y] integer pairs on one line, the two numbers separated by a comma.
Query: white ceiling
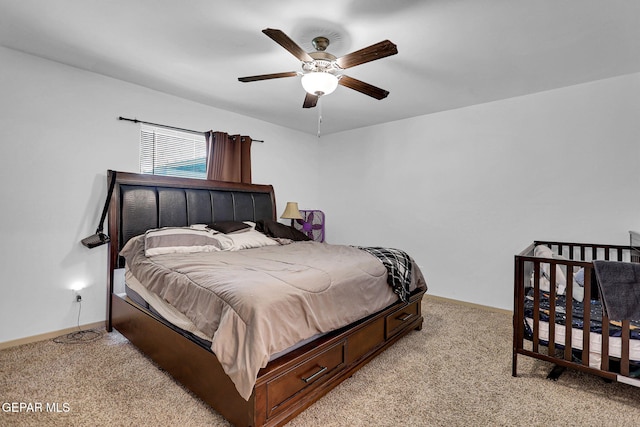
[[452, 53]]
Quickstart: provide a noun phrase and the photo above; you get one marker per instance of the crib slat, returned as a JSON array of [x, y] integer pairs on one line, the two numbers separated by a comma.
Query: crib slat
[[536, 305], [624, 360], [569, 315], [518, 312], [604, 364], [586, 327], [551, 349]]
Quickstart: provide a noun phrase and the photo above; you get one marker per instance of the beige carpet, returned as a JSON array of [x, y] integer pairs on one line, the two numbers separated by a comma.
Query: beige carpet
[[455, 372]]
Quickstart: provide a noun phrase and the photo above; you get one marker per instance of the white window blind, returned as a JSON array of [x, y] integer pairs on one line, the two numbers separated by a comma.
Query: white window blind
[[171, 152]]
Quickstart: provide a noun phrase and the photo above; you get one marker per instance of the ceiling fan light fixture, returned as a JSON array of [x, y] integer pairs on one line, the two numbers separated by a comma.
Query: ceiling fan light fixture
[[319, 83]]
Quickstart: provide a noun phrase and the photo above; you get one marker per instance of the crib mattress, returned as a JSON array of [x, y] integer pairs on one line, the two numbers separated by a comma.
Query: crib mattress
[[595, 342], [595, 327]]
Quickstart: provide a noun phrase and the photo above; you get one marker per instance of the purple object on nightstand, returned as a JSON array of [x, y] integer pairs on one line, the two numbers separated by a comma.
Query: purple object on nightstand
[[311, 224]]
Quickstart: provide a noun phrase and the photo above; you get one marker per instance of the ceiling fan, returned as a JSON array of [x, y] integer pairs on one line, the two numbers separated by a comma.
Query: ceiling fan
[[322, 72]]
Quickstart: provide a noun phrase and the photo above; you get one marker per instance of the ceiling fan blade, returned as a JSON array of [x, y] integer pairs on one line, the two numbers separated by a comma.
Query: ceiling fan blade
[[267, 76], [310, 100], [377, 51], [362, 87], [283, 40]]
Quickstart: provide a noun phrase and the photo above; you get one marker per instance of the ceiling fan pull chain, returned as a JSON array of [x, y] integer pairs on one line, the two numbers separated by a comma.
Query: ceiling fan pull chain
[[319, 114]]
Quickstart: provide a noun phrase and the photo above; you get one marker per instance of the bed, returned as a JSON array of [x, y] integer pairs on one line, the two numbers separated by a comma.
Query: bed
[[252, 371], [558, 312]]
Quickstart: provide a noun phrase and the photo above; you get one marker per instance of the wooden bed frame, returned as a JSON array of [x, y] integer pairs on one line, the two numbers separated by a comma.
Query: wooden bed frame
[[579, 255], [288, 384]]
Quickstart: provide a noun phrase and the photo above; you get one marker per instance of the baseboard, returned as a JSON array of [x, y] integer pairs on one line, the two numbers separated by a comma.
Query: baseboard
[[98, 325], [49, 335], [470, 304]]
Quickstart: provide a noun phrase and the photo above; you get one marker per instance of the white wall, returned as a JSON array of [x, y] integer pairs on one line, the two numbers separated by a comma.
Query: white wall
[[60, 133], [463, 191]]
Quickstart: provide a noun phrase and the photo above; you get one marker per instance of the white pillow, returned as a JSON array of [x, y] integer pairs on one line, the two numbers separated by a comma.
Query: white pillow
[[561, 280], [578, 285], [171, 240], [247, 240], [543, 251], [199, 226]]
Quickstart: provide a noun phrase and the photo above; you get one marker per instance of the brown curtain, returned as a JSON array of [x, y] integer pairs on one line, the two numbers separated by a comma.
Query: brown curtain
[[228, 157]]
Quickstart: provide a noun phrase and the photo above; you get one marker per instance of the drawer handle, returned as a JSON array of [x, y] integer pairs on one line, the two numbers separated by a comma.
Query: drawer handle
[[314, 376], [404, 317]]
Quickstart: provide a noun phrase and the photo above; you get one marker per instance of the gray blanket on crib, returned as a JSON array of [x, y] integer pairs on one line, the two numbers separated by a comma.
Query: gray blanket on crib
[[619, 285]]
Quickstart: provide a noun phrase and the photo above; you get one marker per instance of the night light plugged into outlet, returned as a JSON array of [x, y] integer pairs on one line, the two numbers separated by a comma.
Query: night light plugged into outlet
[[77, 297], [76, 288]]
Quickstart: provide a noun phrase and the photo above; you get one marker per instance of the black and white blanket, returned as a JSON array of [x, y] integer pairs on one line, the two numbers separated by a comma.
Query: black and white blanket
[[398, 265]]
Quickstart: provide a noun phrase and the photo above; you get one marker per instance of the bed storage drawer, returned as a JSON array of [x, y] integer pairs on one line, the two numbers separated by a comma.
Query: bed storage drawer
[[397, 320], [306, 375]]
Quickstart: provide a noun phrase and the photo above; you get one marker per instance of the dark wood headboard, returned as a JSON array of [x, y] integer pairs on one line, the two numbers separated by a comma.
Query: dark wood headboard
[[142, 202]]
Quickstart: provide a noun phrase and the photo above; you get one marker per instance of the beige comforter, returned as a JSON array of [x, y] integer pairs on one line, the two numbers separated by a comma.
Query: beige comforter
[[254, 303]]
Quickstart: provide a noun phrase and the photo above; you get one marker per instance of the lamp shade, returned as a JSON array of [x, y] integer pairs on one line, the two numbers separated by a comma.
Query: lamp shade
[[319, 83], [291, 211]]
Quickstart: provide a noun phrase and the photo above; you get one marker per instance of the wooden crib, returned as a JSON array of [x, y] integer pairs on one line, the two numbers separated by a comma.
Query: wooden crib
[[542, 315]]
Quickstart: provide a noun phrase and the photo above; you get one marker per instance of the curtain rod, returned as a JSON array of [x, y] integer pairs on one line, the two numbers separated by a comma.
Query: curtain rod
[[171, 127]]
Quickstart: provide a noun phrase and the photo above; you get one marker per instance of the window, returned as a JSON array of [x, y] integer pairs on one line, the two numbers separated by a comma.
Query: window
[[173, 153]]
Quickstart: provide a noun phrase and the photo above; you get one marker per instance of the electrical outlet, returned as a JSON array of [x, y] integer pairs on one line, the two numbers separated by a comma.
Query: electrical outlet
[[78, 297]]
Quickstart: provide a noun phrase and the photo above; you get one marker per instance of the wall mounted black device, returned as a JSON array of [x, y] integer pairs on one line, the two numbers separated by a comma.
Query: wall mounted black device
[[99, 238]]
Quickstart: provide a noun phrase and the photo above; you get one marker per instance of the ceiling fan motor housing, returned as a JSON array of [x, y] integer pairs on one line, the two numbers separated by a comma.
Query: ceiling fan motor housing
[[322, 62]]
